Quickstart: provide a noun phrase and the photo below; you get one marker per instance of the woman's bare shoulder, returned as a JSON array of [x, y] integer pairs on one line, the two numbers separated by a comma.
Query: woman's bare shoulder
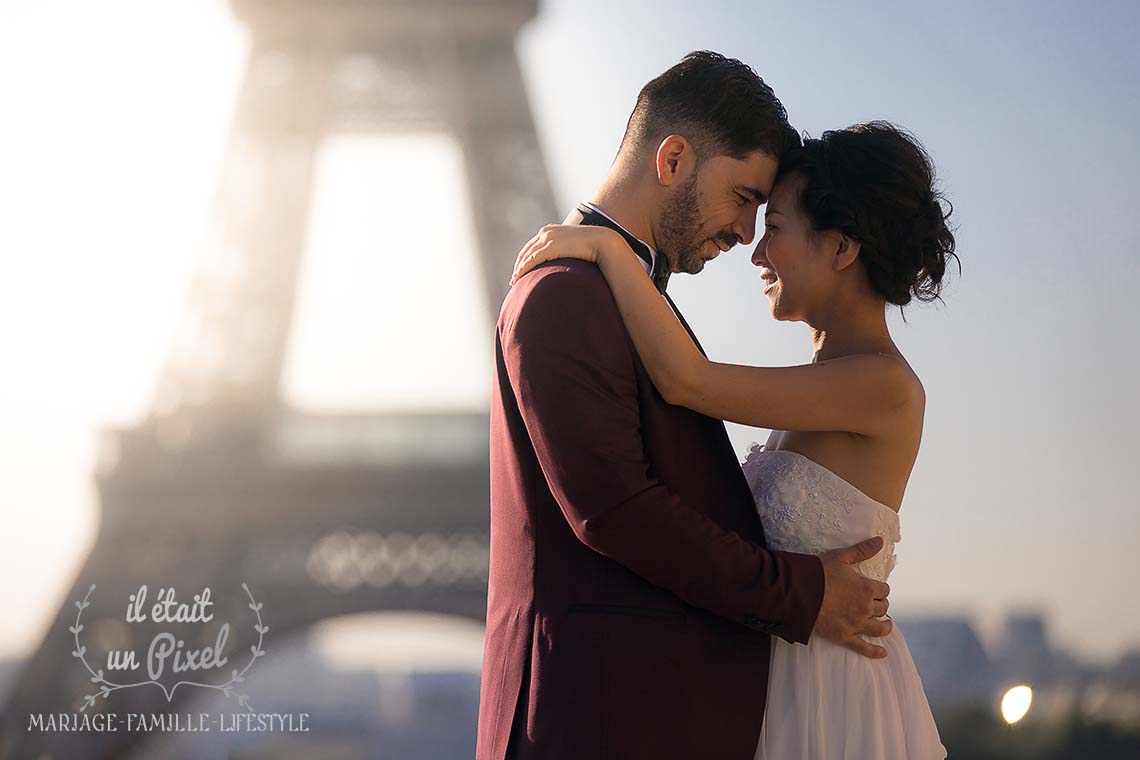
[[897, 374]]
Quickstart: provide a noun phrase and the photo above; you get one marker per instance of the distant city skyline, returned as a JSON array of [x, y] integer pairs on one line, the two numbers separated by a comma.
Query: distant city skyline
[[1022, 495]]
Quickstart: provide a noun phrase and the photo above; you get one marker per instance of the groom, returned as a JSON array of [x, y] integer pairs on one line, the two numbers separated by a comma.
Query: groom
[[631, 595]]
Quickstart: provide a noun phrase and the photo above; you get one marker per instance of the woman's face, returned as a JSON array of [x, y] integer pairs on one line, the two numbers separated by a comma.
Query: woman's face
[[794, 264]]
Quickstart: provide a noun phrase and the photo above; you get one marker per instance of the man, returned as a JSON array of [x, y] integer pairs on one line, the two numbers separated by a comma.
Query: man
[[631, 595]]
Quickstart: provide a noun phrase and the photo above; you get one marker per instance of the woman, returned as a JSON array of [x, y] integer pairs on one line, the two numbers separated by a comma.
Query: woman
[[854, 223]]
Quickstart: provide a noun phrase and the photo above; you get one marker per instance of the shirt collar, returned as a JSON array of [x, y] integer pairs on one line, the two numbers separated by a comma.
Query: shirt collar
[[652, 253]]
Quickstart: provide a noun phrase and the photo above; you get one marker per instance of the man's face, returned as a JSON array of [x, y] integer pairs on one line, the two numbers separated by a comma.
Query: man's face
[[713, 209]]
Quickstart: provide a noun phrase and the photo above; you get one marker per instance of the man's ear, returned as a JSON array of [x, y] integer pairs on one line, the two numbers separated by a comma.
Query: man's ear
[[675, 159], [846, 252]]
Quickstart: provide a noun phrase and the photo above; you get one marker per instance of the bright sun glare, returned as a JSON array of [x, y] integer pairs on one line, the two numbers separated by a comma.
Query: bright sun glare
[[1015, 704]]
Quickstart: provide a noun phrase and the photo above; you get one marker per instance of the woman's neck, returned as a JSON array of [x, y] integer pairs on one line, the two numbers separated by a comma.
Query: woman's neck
[[849, 329]]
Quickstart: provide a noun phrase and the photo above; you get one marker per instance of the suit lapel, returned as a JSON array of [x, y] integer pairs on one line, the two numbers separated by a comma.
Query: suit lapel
[[685, 324], [585, 215]]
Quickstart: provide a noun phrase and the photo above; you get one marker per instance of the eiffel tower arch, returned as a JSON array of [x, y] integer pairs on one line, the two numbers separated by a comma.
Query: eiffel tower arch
[[225, 481]]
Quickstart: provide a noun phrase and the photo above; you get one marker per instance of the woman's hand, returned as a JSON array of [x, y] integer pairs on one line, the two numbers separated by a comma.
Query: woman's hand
[[566, 241]]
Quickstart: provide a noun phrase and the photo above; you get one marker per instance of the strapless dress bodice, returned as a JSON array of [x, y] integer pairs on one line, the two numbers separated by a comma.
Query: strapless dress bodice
[[806, 508]]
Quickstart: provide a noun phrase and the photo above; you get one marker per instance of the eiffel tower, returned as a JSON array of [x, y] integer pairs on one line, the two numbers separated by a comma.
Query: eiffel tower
[[225, 481]]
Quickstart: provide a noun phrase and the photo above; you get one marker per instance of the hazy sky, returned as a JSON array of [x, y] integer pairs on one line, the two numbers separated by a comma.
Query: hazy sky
[[1024, 490]]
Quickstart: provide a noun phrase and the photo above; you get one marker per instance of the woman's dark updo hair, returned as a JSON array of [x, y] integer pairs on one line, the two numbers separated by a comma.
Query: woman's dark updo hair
[[874, 183]]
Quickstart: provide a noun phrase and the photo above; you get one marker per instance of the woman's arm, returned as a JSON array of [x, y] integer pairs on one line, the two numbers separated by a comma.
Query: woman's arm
[[859, 394]]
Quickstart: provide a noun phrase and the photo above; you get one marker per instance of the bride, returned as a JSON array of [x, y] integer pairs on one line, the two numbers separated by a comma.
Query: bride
[[854, 223]]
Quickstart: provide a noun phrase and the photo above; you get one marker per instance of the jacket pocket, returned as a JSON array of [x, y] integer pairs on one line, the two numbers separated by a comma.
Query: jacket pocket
[[623, 609]]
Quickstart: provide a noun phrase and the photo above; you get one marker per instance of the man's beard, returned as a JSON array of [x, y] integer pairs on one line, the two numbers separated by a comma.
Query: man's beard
[[679, 229]]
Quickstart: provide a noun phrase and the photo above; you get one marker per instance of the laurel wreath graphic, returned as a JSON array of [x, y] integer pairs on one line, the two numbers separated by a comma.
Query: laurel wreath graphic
[[105, 687]]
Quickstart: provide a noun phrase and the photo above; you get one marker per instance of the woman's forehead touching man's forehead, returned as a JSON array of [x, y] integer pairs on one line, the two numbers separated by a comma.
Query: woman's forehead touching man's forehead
[[756, 174]]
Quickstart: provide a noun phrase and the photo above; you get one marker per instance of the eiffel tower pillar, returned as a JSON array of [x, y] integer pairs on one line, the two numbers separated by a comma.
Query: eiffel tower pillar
[[211, 488]]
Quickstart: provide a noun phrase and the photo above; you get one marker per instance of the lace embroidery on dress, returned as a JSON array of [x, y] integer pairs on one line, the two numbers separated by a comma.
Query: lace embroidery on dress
[[807, 508]]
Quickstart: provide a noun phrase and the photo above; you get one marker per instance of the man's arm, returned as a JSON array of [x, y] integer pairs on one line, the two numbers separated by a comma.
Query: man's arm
[[572, 368]]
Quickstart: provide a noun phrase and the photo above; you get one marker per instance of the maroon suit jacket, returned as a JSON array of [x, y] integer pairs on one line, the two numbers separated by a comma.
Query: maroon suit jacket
[[631, 597]]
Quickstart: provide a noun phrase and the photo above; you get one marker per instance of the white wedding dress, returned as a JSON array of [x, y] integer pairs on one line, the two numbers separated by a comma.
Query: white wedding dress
[[826, 702]]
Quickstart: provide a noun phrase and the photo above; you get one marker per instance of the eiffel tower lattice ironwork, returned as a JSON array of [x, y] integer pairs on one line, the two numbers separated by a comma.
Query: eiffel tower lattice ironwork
[[217, 485]]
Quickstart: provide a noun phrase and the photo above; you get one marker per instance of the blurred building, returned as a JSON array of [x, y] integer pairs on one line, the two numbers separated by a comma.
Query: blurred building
[[950, 658], [958, 671], [1025, 652]]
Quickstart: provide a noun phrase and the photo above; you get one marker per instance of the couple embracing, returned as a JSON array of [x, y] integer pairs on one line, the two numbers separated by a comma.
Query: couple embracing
[[650, 596]]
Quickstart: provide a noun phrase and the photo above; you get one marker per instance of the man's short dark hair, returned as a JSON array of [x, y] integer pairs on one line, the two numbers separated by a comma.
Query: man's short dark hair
[[719, 104]]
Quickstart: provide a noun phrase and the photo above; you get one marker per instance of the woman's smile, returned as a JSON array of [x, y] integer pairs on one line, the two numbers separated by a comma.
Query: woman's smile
[[770, 279]]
